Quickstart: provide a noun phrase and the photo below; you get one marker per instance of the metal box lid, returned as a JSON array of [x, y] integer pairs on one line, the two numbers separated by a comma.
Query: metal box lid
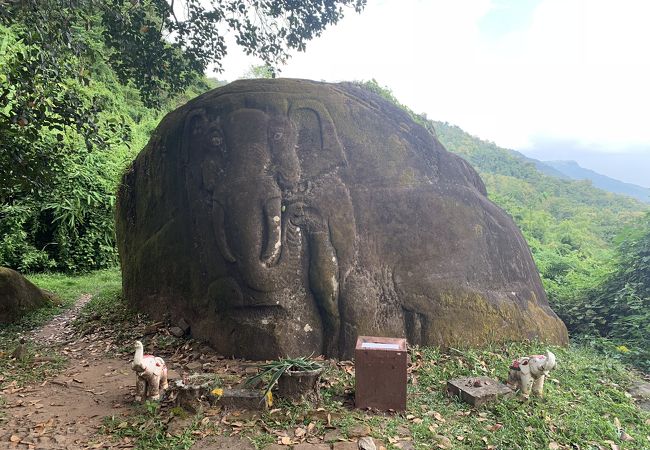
[[381, 344]]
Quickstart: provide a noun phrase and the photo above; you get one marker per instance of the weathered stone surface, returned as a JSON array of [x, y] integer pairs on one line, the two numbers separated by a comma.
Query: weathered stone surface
[[242, 399], [359, 431], [223, 443], [19, 296], [640, 391], [477, 391], [307, 446], [345, 446], [284, 217]]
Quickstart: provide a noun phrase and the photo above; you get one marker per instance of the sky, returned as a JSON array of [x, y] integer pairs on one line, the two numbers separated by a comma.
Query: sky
[[554, 79]]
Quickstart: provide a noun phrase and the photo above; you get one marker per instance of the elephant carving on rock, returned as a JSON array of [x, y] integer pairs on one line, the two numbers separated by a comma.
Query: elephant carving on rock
[[275, 209], [286, 217]]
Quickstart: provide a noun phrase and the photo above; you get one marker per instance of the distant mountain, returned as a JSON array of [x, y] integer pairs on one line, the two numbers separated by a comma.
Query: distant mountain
[[542, 166], [574, 171]]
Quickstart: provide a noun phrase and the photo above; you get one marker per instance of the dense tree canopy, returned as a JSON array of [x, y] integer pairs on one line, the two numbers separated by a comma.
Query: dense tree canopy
[[159, 46]]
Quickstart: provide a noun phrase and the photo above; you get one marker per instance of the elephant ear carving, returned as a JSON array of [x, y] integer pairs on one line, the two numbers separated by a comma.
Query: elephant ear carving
[[195, 127], [319, 148]]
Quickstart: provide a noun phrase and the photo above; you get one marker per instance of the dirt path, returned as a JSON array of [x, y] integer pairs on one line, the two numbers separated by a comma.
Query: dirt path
[[66, 412]]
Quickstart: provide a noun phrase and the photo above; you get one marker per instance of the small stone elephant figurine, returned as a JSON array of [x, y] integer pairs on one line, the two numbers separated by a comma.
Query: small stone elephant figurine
[[528, 373], [151, 374]]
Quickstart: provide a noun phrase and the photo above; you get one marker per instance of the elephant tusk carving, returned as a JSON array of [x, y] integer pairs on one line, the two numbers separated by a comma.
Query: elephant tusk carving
[[272, 247]]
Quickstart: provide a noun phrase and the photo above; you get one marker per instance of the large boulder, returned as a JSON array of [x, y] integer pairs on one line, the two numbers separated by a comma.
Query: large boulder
[[18, 296], [283, 217]]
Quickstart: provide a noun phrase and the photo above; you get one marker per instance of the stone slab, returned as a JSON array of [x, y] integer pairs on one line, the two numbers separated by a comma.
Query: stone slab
[[307, 446], [242, 399], [640, 391], [346, 446], [223, 443], [477, 391]]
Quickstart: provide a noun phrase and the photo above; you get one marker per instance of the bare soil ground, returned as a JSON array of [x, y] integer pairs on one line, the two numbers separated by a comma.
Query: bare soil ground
[[65, 412]]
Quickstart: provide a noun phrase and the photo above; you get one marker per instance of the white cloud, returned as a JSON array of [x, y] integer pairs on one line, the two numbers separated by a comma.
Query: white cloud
[[576, 69]]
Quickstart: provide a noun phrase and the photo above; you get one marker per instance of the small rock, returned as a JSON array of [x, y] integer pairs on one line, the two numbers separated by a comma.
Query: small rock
[[366, 443], [194, 366], [405, 445], [242, 399], [176, 331], [403, 431], [359, 431], [442, 441], [183, 325], [305, 446], [333, 436], [152, 328], [346, 446]]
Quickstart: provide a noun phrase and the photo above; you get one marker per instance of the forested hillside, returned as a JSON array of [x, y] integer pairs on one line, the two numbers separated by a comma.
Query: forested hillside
[[58, 189], [573, 170]]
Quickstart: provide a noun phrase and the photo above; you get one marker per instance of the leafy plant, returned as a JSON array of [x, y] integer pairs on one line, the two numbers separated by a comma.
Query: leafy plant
[[275, 369]]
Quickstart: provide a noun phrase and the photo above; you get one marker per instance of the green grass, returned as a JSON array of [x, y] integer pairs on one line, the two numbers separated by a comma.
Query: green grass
[[585, 404], [148, 428], [69, 288], [584, 401]]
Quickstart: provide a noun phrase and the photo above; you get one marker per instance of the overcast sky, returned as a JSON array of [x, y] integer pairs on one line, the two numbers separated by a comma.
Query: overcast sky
[[555, 79]]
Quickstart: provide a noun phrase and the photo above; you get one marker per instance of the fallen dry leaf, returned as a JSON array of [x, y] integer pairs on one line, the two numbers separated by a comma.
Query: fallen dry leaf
[[626, 437]]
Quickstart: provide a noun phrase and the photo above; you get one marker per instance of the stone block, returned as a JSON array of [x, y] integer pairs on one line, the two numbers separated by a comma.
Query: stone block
[[307, 446], [477, 391], [176, 331], [346, 446], [242, 399]]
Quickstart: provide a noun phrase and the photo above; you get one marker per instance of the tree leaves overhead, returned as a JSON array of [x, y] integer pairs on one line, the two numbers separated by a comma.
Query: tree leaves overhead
[[79, 77], [162, 45]]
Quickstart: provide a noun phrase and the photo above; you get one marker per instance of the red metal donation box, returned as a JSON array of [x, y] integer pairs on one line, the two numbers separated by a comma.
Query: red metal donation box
[[380, 373]]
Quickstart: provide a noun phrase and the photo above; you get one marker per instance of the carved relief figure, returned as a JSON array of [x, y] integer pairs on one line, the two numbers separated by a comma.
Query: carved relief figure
[[287, 217], [277, 202]]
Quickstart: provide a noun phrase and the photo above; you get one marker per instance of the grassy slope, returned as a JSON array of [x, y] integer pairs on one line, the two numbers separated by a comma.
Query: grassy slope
[[584, 402]]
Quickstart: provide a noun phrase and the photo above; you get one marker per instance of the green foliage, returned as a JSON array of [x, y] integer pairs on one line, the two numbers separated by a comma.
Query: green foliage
[[162, 47], [619, 307], [78, 83], [59, 168], [262, 71]]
